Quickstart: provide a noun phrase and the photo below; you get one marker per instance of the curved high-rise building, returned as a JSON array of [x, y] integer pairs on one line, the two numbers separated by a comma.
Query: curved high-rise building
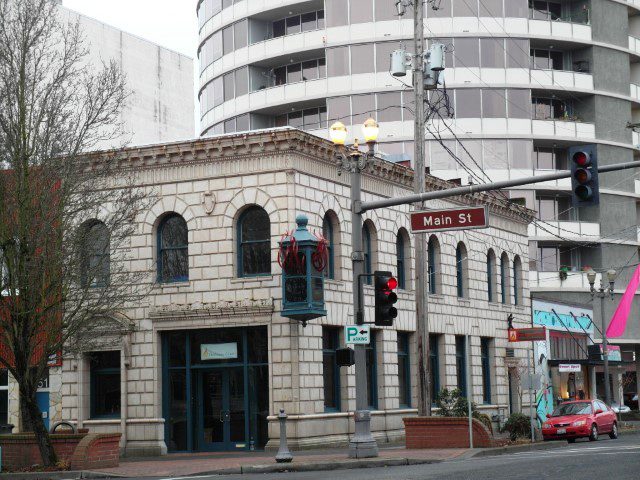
[[525, 80]]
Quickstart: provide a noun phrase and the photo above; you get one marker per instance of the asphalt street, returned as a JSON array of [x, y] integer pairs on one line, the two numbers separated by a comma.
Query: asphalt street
[[605, 459]]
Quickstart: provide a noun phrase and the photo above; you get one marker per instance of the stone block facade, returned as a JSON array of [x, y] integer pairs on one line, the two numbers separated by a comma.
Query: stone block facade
[[210, 183]]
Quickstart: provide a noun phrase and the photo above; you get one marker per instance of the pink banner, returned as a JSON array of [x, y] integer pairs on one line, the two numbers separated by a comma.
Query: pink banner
[[618, 322]]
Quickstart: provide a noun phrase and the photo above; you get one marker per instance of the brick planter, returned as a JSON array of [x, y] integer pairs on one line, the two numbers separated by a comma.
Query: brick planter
[[83, 451], [21, 450], [445, 432]]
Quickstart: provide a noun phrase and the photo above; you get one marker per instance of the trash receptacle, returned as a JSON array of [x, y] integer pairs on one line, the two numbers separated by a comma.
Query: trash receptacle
[[6, 429]]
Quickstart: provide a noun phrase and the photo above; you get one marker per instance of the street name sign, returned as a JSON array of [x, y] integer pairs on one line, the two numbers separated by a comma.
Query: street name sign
[[527, 334], [569, 368], [357, 334], [451, 219]]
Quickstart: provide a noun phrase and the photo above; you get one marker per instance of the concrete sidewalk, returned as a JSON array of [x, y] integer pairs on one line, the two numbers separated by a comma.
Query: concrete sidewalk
[[180, 465]]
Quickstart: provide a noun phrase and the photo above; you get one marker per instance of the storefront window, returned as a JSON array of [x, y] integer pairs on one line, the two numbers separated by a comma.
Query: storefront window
[[105, 384]]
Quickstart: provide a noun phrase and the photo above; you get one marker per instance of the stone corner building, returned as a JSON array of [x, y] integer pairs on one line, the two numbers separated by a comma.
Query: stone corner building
[[211, 360]]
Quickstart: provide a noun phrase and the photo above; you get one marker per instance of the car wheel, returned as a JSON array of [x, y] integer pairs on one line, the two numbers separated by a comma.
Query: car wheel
[[614, 431], [571, 440], [594, 433]]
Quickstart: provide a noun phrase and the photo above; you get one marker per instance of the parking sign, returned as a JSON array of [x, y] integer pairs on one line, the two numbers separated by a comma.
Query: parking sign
[[357, 334]]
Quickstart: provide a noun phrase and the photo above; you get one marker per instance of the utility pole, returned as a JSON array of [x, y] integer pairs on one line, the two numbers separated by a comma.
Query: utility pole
[[422, 325], [602, 293]]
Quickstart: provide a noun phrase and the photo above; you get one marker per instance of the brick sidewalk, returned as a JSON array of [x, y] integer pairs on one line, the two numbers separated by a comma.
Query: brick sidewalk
[[177, 465]]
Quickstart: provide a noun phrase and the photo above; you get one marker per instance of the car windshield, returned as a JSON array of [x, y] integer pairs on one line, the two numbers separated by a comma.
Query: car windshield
[[572, 409]]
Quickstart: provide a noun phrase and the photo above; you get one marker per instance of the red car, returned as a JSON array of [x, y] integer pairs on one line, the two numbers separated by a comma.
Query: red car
[[580, 419]]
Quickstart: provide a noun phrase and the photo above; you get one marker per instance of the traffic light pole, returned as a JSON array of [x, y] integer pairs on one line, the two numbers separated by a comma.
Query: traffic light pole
[[483, 187], [362, 444]]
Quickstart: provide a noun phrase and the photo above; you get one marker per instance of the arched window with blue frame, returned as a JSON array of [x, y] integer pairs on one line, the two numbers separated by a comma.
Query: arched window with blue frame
[[369, 242], [402, 258], [505, 292], [433, 265], [491, 275], [517, 281], [330, 231], [254, 242], [173, 249], [461, 271]]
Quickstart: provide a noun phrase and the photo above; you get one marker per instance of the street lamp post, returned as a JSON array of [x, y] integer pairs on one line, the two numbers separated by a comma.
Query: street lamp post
[[353, 161], [602, 293]]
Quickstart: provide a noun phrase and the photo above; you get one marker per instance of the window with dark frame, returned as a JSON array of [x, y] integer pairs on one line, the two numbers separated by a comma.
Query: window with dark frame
[[404, 370], [298, 23], [491, 276], [432, 265], [328, 234], [254, 243], [400, 260], [504, 279], [434, 366], [173, 249], [460, 270], [95, 266], [485, 358], [372, 372], [366, 243], [330, 369], [105, 384], [461, 367]]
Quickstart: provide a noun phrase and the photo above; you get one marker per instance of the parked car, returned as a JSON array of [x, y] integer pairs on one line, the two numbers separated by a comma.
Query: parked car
[[617, 408], [580, 419]]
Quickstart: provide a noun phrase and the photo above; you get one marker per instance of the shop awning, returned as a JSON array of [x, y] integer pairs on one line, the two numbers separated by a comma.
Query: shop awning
[[584, 361]]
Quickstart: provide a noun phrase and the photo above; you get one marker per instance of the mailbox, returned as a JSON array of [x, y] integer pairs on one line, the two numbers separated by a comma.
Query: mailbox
[[303, 257]]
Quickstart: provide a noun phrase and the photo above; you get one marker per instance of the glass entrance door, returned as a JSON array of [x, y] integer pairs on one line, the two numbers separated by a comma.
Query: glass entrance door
[[222, 410]]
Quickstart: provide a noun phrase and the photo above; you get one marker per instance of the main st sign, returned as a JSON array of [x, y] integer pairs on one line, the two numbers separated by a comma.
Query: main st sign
[[451, 219]]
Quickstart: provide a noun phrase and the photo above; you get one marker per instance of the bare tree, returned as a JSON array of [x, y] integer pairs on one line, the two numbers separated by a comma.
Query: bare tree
[[67, 215]]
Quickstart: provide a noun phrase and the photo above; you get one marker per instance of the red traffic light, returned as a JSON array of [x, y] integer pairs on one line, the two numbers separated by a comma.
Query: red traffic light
[[392, 283], [581, 158]]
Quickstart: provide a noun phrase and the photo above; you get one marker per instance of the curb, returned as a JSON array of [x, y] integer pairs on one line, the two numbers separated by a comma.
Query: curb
[[63, 475], [320, 466]]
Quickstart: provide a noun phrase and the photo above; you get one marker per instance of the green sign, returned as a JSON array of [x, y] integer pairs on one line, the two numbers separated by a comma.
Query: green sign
[[357, 334]]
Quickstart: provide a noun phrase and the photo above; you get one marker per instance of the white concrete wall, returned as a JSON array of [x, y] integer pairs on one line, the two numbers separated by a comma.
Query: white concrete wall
[[161, 107]]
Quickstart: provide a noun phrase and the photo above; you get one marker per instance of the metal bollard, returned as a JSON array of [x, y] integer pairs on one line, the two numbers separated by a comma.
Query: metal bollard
[[283, 455]]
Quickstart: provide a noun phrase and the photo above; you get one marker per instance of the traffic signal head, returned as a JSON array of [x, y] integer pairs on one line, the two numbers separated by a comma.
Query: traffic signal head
[[584, 175], [385, 297]]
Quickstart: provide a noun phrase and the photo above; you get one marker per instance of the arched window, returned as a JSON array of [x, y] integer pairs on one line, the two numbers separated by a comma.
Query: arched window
[[504, 279], [433, 265], [461, 271], [254, 243], [330, 231], [173, 249], [369, 242], [402, 258], [492, 275], [517, 281], [95, 261]]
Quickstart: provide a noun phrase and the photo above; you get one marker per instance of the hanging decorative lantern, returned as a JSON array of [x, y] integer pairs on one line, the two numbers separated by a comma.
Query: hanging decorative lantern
[[303, 257]]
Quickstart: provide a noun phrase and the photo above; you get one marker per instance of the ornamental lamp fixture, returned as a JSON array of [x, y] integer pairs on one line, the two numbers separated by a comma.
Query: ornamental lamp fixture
[[303, 257], [611, 276], [370, 130], [591, 277], [338, 133]]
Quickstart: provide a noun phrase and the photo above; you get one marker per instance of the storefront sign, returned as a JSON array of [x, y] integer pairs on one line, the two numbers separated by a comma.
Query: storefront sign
[[569, 367], [218, 351], [613, 351], [527, 334]]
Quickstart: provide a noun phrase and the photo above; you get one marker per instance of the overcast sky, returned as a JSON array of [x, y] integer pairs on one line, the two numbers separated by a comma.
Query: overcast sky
[[170, 23]]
